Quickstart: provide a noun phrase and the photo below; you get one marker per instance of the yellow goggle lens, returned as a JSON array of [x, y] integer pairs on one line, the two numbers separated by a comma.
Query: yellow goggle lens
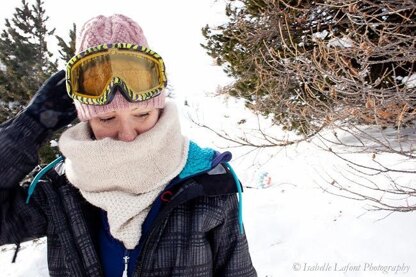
[[92, 74]]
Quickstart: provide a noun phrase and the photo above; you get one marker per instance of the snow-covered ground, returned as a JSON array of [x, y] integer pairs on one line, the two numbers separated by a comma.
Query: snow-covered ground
[[294, 227]]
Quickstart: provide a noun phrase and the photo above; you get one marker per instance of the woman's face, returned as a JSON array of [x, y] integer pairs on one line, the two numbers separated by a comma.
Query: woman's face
[[124, 125]]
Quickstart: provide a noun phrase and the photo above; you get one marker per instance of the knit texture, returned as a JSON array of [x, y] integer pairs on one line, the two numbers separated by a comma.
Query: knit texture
[[112, 29], [124, 178], [199, 160]]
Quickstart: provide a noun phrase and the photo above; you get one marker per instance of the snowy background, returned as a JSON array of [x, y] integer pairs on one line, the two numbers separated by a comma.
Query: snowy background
[[293, 226]]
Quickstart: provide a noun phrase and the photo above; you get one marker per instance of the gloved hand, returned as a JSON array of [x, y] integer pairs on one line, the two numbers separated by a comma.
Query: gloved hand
[[51, 106]]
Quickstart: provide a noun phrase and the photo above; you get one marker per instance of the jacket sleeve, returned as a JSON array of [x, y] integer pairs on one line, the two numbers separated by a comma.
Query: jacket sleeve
[[20, 139], [230, 248]]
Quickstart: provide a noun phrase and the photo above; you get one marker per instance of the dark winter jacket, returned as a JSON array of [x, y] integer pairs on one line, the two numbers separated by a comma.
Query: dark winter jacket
[[194, 231]]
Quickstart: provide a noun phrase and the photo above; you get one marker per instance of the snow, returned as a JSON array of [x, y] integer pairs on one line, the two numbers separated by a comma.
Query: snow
[[31, 260], [294, 227], [320, 35], [410, 81], [363, 73], [53, 143], [344, 42], [13, 104]]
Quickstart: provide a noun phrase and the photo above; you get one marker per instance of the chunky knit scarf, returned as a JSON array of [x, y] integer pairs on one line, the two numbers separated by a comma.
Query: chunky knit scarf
[[124, 178]]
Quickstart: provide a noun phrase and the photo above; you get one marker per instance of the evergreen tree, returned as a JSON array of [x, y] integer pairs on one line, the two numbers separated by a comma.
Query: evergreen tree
[[25, 62], [67, 50], [309, 64], [24, 55]]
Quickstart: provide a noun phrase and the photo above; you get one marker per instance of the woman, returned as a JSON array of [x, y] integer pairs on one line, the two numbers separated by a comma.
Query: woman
[[133, 196]]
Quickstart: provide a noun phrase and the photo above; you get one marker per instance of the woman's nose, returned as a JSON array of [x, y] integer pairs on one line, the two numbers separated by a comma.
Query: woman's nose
[[127, 132]]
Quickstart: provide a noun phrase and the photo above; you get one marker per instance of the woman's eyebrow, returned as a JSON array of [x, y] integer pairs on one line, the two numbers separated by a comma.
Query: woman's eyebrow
[[138, 108], [109, 113]]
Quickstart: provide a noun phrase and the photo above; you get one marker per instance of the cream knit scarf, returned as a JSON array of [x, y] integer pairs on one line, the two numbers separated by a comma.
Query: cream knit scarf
[[124, 178]]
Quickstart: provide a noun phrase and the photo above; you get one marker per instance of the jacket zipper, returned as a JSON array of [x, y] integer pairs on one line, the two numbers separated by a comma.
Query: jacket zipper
[[139, 267], [156, 226], [126, 262]]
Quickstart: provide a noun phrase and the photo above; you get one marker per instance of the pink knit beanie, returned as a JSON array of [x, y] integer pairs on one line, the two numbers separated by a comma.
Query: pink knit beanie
[[113, 29]]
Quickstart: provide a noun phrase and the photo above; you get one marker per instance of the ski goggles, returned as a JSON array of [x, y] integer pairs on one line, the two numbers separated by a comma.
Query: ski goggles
[[94, 75]]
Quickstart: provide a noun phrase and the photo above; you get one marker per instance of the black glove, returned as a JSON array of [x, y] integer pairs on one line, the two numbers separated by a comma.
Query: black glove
[[51, 106]]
